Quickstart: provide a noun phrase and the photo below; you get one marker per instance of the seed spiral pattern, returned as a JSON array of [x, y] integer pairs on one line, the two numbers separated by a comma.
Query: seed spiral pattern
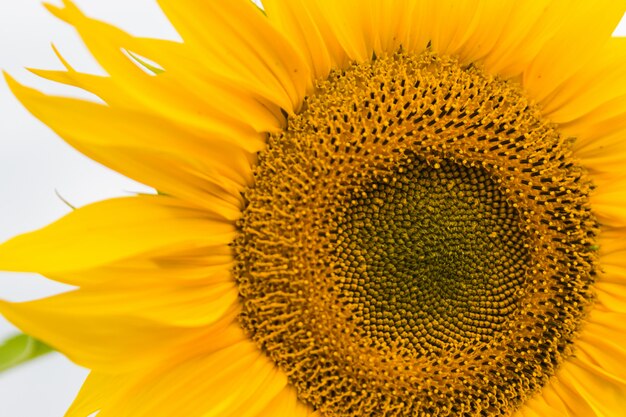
[[431, 256], [417, 242]]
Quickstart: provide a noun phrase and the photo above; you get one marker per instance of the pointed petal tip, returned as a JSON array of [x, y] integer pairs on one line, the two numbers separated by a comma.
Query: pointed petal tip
[[60, 57], [53, 8], [8, 78], [36, 71], [17, 88], [66, 12]]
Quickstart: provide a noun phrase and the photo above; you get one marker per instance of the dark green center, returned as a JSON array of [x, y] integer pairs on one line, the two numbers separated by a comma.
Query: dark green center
[[431, 255]]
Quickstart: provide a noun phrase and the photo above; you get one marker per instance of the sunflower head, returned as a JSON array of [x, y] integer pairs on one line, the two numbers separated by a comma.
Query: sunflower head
[[409, 229], [404, 208]]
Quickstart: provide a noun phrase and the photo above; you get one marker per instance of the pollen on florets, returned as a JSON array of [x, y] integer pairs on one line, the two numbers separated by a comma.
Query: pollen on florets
[[417, 242]]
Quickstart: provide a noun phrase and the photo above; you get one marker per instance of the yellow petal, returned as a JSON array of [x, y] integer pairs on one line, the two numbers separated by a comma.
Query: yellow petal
[[539, 407], [612, 242], [181, 306], [112, 230], [576, 405], [600, 145], [472, 29], [530, 26], [590, 388], [604, 162], [302, 23], [586, 27], [167, 94], [604, 120], [394, 24], [613, 256], [350, 23], [597, 82], [613, 274], [555, 402], [605, 324], [612, 295], [229, 116], [194, 266], [103, 388], [108, 343], [519, 25], [96, 391], [235, 381], [184, 93], [237, 41], [609, 203], [146, 148], [604, 353], [364, 28], [545, 403], [602, 341], [287, 404]]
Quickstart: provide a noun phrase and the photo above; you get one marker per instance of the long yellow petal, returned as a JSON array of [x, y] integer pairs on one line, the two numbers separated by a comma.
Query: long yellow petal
[[189, 266], [287, 404], [607, 324], [613, 268], [392, 24], [106, 387], [576, 405], [532, 25], [591, 388], [604, 353], [229, 116], [519, 40], [602, 342], [472, 29], [350, 22], [554, 401], [185, 92], [365, 28], [96, 391], [235, 39], [235, 381], [546, 403], [541, 406], [612, 295], [586, 28], [108, 231], [146, 148], [133, 129], [180, 306], [597, 82], [600, 145], [608, 202], [302, 23], [106, 343], [168, 95]]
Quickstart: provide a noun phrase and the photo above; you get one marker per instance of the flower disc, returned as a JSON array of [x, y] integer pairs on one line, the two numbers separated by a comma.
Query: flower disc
[[431, 256], [418, 241]]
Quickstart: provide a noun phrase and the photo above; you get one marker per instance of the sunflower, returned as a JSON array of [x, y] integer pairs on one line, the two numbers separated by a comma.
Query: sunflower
[[364, 208]]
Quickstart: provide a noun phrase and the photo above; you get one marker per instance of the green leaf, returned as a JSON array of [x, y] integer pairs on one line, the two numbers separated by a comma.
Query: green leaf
[[19, 349]]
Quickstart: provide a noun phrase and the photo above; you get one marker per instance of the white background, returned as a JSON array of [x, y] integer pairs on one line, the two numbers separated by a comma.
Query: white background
[[34, 163]]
